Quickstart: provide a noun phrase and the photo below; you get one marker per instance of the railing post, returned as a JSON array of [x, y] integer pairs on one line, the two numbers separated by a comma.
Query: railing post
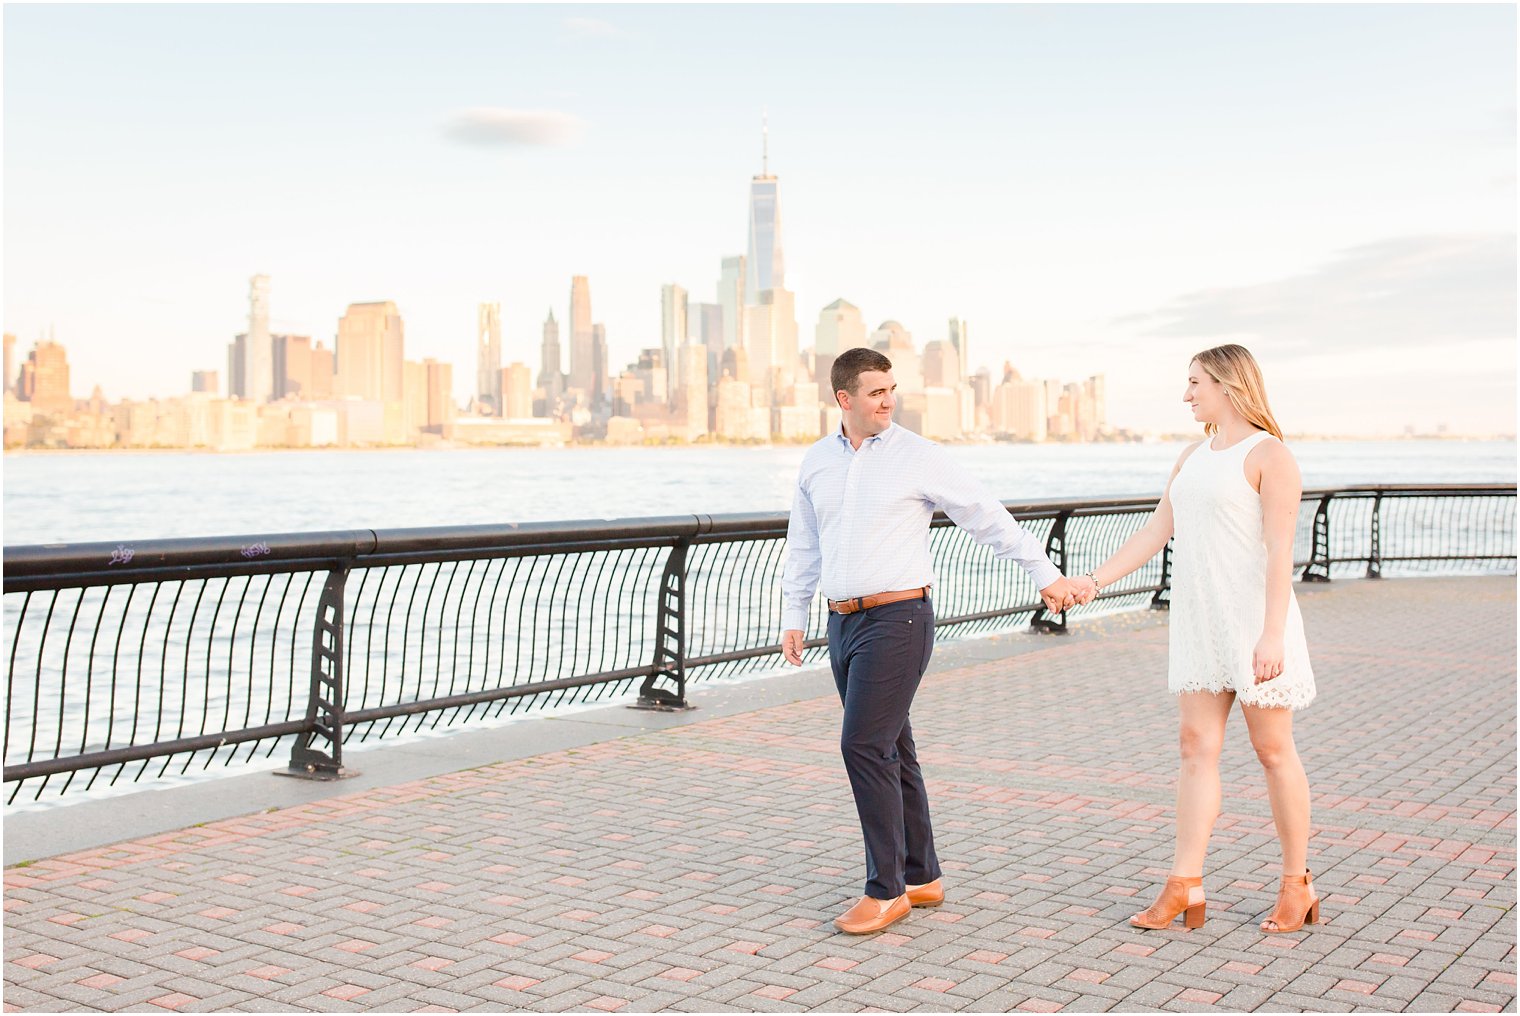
[[1055, 549], [1161, 599], [1318, 568], [325, 701], [1375, 552], [670, 638]]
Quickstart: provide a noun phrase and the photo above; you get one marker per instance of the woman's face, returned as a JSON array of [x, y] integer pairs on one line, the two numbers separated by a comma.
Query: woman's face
[[1205, 396]]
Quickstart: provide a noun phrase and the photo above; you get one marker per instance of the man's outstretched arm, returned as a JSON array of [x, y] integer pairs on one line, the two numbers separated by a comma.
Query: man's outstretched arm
[[972, 506]]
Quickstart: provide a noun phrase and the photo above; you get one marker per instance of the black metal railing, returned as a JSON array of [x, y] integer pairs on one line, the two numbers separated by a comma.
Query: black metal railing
[[132, 661]]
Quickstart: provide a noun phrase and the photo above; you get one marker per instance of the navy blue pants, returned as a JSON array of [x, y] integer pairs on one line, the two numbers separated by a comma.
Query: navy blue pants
[[879, 656]]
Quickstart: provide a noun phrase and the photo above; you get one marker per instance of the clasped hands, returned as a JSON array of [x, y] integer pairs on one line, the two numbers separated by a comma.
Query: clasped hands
[[1065, 593]]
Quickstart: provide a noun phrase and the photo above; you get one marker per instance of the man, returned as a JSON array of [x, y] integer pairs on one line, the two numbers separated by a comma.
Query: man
[[860, 524]]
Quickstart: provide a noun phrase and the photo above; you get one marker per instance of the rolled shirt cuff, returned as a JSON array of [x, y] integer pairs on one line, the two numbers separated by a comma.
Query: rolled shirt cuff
[[794, 618], [1043, 573]]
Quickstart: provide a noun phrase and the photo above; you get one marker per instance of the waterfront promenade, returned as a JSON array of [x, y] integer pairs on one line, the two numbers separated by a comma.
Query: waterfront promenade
[[626, 861]]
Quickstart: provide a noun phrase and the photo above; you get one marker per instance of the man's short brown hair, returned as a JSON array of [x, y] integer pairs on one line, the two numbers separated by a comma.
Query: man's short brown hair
[[849, 365]]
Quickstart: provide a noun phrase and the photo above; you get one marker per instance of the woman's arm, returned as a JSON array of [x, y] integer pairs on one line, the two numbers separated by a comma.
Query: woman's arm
[[1147, 542], [1281, 490]]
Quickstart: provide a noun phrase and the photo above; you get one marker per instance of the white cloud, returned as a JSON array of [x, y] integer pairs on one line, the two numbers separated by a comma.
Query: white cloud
[[1406, 292], [492, 126], [1503, 122], [595, 27]]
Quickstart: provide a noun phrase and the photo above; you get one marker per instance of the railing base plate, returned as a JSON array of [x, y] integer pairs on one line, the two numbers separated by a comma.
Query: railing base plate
[[662, 704], [319, 775]]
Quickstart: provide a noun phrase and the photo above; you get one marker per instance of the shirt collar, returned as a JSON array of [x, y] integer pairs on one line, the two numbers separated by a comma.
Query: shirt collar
[[885, 437]]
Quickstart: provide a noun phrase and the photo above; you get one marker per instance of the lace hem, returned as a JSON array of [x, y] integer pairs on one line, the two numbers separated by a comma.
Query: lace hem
[[1268, 695]]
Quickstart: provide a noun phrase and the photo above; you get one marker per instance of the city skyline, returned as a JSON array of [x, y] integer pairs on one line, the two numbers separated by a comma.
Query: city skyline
[[1069, 190], [731, 371]]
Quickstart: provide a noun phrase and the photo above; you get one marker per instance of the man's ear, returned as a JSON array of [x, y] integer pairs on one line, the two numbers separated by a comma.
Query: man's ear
[[842, 399]]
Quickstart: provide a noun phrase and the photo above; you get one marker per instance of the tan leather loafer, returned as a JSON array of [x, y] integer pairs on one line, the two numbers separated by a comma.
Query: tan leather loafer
[[930, 894], [873, 915]]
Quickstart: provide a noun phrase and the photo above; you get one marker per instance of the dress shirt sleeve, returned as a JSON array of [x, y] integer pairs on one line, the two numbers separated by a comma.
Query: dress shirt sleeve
[[804, 564], [971, 506]]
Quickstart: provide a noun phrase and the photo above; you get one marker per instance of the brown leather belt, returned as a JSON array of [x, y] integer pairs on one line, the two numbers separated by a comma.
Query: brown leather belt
[[850, 606]]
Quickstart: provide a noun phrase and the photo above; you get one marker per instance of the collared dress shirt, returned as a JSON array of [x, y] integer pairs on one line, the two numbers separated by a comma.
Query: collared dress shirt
[[860, 520]]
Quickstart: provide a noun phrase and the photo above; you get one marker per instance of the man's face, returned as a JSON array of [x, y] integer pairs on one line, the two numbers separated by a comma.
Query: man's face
[[868, 410]]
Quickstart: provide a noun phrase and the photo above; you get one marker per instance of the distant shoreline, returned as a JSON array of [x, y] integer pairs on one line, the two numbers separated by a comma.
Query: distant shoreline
[[588, 446]]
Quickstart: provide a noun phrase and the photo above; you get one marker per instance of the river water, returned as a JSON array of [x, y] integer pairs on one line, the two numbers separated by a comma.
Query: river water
[[89, 496]]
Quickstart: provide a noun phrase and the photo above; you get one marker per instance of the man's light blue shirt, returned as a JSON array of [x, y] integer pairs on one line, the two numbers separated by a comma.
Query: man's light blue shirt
[[860, 520]]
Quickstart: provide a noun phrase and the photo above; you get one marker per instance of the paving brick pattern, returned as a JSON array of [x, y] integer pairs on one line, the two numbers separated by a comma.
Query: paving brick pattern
[[698, 868]]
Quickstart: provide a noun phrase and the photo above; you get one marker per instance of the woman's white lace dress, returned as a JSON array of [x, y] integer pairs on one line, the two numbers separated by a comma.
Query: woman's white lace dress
[[1219, 585]]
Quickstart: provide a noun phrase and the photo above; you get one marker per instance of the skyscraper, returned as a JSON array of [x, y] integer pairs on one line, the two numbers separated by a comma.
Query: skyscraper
[[896, 342], [598, 386], [292, 365], [672, 330], [840, 327], [258, 348], [731, 299], [370, 344], [516, 391], [704, 324], [582, 370], [394, 353], [237, 367], [735, 365], [488, 356], [414, 401], [981, 399], [323, 373], [958, 340], [764, 264], [1054, 424], [941, 365], [1097, 388], [771, 341], [440, 396], [654, 377], [692, 401], [1019, 409], [10, 362], [44, 379], [551, 375]]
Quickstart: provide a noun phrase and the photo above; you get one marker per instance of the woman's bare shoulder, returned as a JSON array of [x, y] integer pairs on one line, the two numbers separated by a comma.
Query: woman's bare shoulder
[[1190, 449], [1270, 451]]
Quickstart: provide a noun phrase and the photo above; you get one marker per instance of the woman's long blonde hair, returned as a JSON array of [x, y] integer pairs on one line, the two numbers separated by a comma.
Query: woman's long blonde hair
[[1235, 368]]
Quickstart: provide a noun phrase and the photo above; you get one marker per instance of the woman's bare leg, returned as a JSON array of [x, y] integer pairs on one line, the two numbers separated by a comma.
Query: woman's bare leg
[[1200, 739], [1287, 785]]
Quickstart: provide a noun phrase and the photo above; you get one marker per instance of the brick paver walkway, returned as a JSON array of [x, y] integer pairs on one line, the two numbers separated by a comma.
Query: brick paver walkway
[[698, 868]]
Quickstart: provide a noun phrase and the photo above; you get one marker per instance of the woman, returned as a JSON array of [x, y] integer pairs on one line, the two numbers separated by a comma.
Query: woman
[[1235, 630]]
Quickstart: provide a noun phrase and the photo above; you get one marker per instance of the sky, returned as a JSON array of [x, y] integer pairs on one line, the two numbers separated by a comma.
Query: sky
[[1092, 188]]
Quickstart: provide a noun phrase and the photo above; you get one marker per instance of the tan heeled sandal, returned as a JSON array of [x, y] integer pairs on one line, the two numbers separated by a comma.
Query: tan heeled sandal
[[1297, 905], [1182, 894]]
